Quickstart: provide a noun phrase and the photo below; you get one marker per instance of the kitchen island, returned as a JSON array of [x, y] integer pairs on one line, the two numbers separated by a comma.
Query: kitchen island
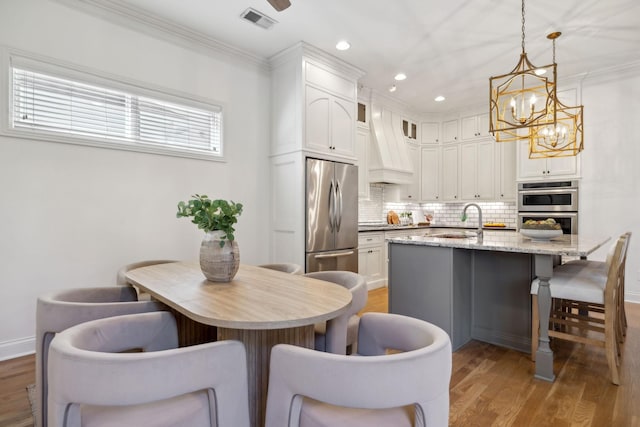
[[479, 288]]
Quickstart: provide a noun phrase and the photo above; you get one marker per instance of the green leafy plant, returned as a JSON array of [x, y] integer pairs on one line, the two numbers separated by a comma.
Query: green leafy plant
[[210, 215]]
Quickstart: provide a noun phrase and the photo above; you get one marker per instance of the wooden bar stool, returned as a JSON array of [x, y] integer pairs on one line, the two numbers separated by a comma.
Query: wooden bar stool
[[582, 287]]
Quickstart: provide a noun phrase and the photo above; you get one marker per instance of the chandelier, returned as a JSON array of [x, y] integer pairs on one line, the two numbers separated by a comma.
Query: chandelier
[[522, 99], [562, 138]]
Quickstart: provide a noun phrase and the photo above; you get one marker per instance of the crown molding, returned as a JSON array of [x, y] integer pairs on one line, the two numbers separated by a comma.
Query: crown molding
[[303, 49], [134, 18], [622, 71]]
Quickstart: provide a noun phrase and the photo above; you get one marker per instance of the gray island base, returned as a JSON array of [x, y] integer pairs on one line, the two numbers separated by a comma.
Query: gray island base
[[481, 289]]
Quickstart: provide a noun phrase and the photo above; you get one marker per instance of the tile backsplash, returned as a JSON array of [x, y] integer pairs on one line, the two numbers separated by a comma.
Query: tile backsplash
[[374, 210]]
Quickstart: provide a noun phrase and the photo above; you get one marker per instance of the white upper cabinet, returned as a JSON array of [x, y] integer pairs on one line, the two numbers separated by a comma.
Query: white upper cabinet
[[553, 167], [506, 176], [477, 170], [475, 126], [430, 174], [412, 190], [557, 167], [314, 104], [450, 131], [362, 153], [450, 160], [430, 133], [329, 123]]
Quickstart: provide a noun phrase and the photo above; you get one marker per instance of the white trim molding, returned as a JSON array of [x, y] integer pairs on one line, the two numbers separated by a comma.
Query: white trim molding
[[16, 348], [132, 17]]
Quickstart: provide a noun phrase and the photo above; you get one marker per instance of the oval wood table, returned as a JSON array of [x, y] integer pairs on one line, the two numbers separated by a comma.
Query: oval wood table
[[260, 307]]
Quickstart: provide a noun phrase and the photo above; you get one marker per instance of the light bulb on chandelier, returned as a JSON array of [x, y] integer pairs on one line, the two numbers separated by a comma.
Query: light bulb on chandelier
[[565, 136]]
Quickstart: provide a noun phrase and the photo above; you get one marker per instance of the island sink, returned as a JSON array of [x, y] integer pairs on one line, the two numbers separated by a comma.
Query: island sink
[[453, 235]]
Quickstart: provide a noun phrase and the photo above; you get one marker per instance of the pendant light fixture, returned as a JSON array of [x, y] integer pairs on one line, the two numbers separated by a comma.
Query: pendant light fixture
[[565, 137], [521, 99]]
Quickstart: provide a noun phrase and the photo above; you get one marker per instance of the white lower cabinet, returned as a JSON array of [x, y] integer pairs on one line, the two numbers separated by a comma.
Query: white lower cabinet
[[371, 259]]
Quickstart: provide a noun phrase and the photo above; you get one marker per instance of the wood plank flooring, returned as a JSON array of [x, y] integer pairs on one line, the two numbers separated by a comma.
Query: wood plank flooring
[[15, 376], [490, 386]]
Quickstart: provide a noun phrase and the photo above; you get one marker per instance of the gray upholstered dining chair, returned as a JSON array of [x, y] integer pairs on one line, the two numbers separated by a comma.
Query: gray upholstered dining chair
[[121, 278], [286, 267], [59, 310], [408, 386], [94, 381], [331, 335]]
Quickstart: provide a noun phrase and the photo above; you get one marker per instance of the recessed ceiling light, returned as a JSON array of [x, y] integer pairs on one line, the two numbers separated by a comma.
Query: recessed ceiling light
[[392, 88], [400, 76], [439, 98], [343, 45], [540, 71]]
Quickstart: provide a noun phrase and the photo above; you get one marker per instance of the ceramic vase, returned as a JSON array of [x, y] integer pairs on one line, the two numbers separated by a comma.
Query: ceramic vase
[[219, 264]]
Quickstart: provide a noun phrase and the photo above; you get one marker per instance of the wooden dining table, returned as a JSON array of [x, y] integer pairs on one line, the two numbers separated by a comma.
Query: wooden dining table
[[259, 307]]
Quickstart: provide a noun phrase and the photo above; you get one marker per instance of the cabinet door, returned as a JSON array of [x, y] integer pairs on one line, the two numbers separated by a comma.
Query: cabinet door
[[430, 171], [375, 265], [342, 124], [483, 125], [362, 153], [317, 119], [507, 165], [562, 166], [468, 171], [529, 168], [430, 133], [450, 131], [544, 168], [362, 261], [469, 127], [413, 189], [450, 173], [486, 170]]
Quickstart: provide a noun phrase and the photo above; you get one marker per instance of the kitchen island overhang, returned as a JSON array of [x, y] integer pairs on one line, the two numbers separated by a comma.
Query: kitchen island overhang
[[480, 288]]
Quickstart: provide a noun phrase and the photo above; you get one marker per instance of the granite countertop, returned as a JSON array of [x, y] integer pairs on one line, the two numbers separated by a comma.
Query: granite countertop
[[391, 227], [511, 241]]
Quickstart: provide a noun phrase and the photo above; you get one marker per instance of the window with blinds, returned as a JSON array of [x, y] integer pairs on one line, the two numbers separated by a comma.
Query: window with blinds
[[48, 104]]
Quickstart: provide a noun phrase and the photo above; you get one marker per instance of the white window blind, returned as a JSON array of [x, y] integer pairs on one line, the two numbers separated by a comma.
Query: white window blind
[[51, 104]]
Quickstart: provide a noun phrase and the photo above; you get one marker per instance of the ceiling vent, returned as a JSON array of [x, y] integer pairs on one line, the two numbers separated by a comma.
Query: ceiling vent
[[258, 18]]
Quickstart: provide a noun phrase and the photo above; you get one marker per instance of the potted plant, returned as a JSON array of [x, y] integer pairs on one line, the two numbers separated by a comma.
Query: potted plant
[[219, 252]]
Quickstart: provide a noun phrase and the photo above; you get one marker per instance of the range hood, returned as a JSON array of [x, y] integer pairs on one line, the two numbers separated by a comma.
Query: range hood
[[389, 160]]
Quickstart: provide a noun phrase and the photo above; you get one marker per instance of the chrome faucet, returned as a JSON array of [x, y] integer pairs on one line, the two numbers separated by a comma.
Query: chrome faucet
[[463, 218]]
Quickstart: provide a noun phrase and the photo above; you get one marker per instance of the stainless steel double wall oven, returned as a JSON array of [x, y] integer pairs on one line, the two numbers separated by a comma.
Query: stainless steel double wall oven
[[549, 199]]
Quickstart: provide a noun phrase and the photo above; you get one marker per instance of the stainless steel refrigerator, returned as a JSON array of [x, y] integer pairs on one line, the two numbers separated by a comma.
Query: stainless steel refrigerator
[[332, 216]]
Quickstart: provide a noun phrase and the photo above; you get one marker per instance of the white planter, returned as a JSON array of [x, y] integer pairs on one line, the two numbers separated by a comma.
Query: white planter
[[219, 264]]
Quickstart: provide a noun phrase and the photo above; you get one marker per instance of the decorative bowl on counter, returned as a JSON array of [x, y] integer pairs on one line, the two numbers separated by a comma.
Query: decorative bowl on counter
[[540, 234]]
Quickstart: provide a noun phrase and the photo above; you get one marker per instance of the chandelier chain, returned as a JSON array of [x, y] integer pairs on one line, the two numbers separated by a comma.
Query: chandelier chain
[[523, 26]]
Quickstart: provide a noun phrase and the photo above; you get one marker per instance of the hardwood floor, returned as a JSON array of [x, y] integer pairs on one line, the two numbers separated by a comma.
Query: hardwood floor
[[15, 376], [490, 386], [494, 386]]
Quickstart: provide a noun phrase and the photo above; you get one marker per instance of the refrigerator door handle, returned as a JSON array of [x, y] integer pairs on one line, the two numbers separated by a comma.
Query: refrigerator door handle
[[338, 206], [334, 255], [331, 207]]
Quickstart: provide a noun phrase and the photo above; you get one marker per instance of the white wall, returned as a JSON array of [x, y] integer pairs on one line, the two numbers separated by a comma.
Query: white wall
[[610, 187], [71, 215]]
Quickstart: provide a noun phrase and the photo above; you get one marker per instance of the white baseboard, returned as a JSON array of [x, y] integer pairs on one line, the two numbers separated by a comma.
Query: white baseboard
[[632, 297], [377, 284], [16, 348]]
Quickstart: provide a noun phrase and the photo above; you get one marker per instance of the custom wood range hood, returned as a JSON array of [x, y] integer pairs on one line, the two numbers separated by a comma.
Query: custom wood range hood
[[389, 162]]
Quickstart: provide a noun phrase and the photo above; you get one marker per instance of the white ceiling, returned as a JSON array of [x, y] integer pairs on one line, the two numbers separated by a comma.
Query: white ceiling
[[445, 47]]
